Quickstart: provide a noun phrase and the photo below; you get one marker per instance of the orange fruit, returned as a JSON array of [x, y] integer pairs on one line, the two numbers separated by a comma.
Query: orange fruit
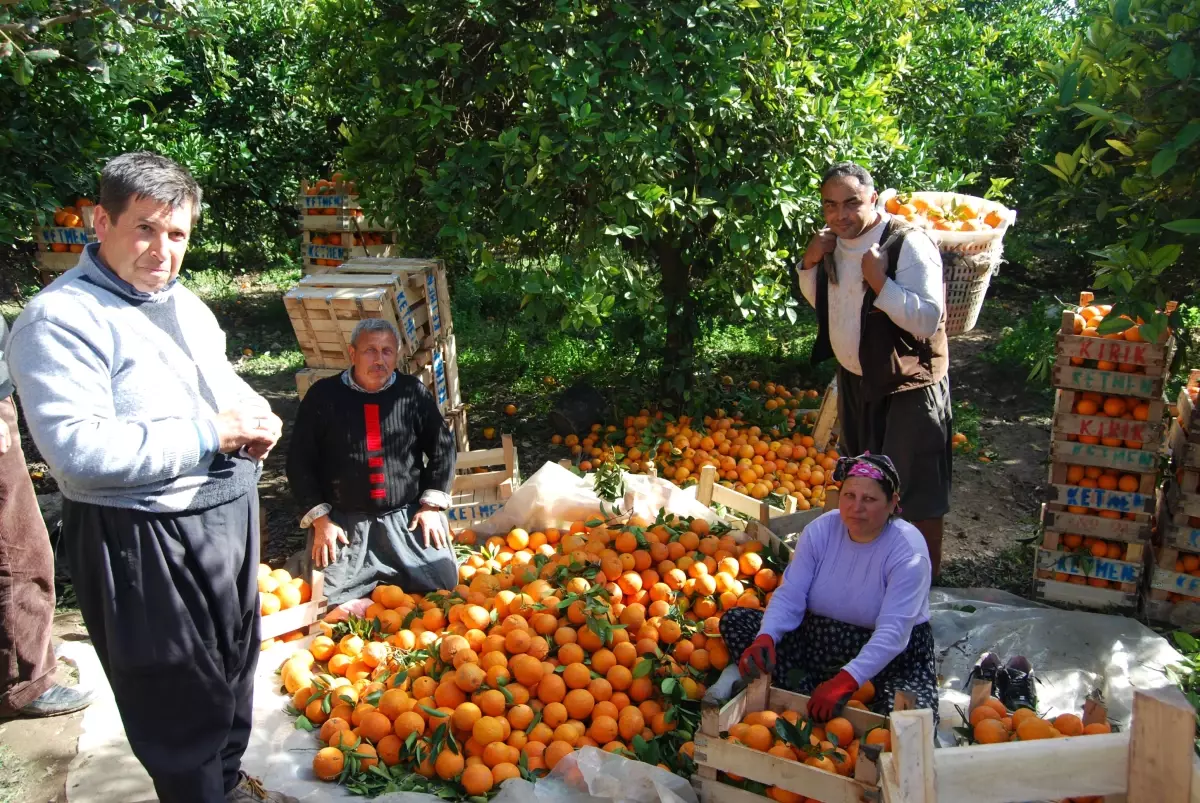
[[477, 779], [840, 728], [328, 763]]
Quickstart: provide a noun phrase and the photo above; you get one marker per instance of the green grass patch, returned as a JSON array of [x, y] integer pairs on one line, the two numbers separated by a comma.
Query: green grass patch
[[1027, 345], [270, 363], [1010, 570]]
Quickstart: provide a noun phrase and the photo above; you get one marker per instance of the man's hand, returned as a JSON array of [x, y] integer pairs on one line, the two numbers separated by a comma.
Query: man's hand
[[326, 536], [874, 268], [261, 447], [243, 425], [5, 437], [822, 243], [434, 527]]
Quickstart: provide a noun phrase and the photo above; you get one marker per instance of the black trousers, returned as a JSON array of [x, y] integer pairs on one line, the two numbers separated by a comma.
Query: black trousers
[[171, 604]]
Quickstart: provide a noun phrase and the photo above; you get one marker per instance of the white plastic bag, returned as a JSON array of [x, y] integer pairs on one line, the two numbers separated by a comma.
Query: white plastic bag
[[555, 497], [591, 775]]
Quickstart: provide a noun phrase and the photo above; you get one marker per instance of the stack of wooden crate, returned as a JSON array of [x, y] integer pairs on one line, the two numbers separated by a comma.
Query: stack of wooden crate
[[412, 294], [1174, 594], [59, 246], [335, 229], [1108, 430]]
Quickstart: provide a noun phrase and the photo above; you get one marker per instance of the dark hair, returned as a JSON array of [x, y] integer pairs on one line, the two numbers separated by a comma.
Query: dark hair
[[849, 170], [142, 174]]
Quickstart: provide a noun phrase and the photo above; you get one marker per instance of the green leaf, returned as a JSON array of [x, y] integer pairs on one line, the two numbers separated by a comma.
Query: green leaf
[[1113, 324], [1163, 161], [1093, 110], [644, 667], [1185, 226], [1066, 163], [42, 55], [1181, 60], [22, 72], [1187, 135], [1120, 147]]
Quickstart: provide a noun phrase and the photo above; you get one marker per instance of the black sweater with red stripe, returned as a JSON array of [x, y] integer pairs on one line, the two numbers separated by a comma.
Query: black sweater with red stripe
[[368, 452]]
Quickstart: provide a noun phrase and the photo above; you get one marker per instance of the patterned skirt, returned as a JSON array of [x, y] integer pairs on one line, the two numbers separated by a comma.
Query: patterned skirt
[[819, 648]]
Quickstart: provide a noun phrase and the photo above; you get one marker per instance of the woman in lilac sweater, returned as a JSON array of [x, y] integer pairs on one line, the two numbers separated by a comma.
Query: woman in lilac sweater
[[853, 605]]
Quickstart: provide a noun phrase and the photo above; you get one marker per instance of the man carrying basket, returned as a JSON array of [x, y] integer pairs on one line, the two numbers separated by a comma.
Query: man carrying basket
[[880, 311]]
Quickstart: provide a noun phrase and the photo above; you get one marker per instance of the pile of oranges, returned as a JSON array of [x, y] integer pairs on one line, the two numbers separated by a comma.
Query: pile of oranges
[[331, 186], [278, 591], [1092, 547], [602, 634], [774, 457], [1086, 324], [1108, 479], [991, 723], [366, 238], [949, 217], [831, 747], [1098, 405]]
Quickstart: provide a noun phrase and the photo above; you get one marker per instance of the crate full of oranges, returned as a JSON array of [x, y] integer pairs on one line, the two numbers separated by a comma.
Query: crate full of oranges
[[59, 245]]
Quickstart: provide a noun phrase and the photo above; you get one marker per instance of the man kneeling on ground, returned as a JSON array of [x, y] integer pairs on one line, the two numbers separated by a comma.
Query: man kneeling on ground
[[371, 460]]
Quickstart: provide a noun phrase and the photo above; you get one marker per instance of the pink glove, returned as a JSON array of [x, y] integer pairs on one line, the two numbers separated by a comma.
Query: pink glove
[[759, 657], [828, 698]]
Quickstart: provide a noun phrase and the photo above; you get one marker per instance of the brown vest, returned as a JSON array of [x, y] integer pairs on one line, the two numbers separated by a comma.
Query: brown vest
[[892, 358]]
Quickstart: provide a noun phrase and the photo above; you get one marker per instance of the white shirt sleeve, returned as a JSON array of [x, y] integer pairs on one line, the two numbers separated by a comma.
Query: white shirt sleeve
[[807, 279], [914, 299]]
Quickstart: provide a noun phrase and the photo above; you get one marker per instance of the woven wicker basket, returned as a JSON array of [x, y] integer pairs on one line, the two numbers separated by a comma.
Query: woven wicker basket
[[969, 258]]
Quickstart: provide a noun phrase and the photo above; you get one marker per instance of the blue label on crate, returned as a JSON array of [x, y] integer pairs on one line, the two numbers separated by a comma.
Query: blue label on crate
[[1187, 538], [1131, 459], [475, 512], [67, 236], [1106, 500], [435, 318], [324, 201], [325, 252], [1186, 584], [439, 378], [1111, 570]]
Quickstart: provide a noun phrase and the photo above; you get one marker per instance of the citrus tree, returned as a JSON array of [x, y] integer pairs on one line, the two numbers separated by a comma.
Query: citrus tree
[[1130, 87]]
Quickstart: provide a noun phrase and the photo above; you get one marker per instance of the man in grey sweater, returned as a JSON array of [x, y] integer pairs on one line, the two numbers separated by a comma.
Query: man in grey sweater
[[157, 446]]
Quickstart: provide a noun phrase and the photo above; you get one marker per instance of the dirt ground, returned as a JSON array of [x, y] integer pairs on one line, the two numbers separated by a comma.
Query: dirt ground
[[994, 508]]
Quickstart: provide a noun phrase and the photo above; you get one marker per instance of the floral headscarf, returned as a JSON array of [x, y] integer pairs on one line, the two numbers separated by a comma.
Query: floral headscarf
[[878, 467]]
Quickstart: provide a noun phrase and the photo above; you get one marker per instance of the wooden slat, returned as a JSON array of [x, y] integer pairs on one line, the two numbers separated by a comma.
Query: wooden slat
[[912, 755], [481, 458], [1084, 596], [1181, 537], [1183, 452], [827, 415], [306, 377], [1100, 499], [1149, 435], [1152, 356], [1114, 571], [710, 790], [1107, 382], [1095, 526], [1161, 752], [1173, 582], [1137, 461], [863, 721], [785, 773]]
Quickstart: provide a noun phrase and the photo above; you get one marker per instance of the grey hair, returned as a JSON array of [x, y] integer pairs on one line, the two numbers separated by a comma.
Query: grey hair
[[142, 174], [367, 325], [849, 170]]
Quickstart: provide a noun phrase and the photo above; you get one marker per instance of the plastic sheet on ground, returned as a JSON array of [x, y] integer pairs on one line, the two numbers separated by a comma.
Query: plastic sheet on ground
[[555, 497], [1072, 652]]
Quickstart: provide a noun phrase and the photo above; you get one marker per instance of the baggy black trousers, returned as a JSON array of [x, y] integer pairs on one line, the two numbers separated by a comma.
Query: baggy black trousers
[[170, 602]]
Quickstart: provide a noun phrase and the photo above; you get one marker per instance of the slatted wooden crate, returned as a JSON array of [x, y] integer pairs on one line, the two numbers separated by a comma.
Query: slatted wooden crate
[[321, 252], [709, 492], [1153, 762], [715, 755], [1188, 419], [59, 247], [483, 482], [307, 377], [1138, 368], [426, 293], [457, 419], [324, 318], [1145, 435], [449, 351], [300, 617]]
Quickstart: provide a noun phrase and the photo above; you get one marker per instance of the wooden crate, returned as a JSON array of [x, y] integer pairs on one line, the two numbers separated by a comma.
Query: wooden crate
[[324, 317], [307, 377], [825, 427], [1151, 763], [59, 247], [714, 755], [337, 248], [1185, 454], [1131, 461], [709, 492], [413, 312], [1180, 505], [1123, 576], [477, 495], [457, 419], [1148, 433], [449, 350], [1057, 520], [1188, 420], [425, 283], [301, 617]]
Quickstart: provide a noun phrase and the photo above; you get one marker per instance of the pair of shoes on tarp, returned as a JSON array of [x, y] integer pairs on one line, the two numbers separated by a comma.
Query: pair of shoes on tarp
[[1012, 682]]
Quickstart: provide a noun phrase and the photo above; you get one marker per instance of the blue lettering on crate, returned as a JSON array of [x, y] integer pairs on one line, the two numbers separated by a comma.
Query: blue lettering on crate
[[439, 376], [1187, 584], [323, 201], [1105, 500], [435, 317], [1111, 570], [473, 512], [324, 251], [1192, 538], [66, 236]]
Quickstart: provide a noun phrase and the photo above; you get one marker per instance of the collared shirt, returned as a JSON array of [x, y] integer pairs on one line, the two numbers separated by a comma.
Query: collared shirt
[[348, 378]]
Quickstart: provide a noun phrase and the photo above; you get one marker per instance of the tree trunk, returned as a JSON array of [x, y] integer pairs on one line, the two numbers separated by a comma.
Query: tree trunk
[[678, 372]]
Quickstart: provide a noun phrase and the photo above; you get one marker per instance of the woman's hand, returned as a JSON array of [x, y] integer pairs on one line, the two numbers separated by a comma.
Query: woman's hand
[[759, 657], [828, 698]]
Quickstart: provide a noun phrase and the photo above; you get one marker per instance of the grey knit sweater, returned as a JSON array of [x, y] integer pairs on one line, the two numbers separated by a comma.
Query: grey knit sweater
[[121, 388]]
